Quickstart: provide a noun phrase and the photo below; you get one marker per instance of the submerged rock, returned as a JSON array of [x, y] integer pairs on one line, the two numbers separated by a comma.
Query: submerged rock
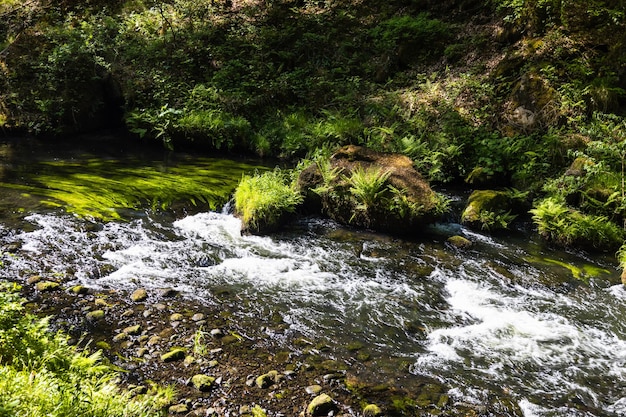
[[369, 189], [459, 242]]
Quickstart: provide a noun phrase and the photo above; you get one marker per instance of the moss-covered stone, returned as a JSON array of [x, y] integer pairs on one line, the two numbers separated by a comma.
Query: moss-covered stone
[[266, 380], [133, 330], [491, 209], [202, 382], [176, 354], [46, 286], [95, 315], [372, 410], [369, 189], [139, 295], [79, 290], [320, 405], [459, 242]]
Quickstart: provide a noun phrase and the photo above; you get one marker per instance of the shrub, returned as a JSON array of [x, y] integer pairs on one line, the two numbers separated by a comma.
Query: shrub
[[262, 201]]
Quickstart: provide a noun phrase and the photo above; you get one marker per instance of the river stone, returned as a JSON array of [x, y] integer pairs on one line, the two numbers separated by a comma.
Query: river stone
[[372, 410], [459, 242], [79, 290], [139, 295], [33, 279], [217, 333], [176, 317], [176, 354], [168, 292], [47, 286], [202, 382], [197, 317], [95, 315], [313, 389], [133, 330], [265, 380], [178, 409], [320, 405], [120, 337], [341, 205]]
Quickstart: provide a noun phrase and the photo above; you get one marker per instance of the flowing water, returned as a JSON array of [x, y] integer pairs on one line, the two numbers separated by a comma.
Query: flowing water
[[508, 321]]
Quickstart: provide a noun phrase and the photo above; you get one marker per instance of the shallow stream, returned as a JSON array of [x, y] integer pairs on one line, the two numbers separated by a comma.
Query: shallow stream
[[510, 321]]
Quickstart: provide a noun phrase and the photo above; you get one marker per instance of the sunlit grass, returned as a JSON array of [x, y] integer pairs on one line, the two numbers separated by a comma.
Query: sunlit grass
[[41, 375]]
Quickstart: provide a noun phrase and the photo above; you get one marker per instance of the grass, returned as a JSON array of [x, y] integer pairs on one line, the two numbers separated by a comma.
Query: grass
[[42, 375], [263, 199], [568, 227]]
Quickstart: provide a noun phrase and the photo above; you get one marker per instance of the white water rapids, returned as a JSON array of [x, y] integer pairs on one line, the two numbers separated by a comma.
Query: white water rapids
[[488, 323]]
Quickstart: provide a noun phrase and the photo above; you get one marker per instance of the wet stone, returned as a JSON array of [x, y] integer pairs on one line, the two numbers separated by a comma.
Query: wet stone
[[120, 337], [178, 409], [197, 317], [217, 333], [266, 380], [320, 405], [44, 286], [79, 290], [95, 315], [33, 280], [372, 410], [139, 295], [167, 292], [313, 389], [176, 317], [133, 330], [176, 354], [202, 382]]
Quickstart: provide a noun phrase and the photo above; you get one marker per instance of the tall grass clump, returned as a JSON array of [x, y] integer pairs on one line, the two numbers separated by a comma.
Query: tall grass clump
[[568, 227], [42, 375], [263, 200]]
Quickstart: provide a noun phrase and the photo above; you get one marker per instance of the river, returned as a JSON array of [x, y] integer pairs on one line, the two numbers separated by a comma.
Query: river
[[509, 321]]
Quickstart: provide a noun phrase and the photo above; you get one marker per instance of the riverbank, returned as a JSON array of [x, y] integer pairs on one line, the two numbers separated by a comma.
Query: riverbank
[[161, 337]]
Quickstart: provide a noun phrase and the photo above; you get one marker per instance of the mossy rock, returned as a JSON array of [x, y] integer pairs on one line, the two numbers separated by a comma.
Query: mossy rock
[[95, 315], [372, 410], [139, 295], [320, 405], [459, 242], [268, 379], [491, 209], [202, 382], [364, 188], [176, 354], [46, 286]]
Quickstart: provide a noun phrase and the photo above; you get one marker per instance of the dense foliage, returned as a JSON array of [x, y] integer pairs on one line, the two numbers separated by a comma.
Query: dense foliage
[[491, 93]]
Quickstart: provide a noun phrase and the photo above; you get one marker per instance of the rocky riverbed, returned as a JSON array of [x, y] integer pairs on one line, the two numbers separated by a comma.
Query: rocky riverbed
[[219, 365]]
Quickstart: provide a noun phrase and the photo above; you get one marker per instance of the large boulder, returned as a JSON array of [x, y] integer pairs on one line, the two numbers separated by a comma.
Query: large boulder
[[364, 188]]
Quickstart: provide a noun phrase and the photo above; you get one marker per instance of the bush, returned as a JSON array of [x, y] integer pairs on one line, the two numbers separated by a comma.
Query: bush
[[262, 201]]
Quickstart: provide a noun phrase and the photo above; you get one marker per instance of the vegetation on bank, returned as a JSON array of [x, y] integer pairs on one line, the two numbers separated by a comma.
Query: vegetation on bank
[[42, 375], [490, 94]]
